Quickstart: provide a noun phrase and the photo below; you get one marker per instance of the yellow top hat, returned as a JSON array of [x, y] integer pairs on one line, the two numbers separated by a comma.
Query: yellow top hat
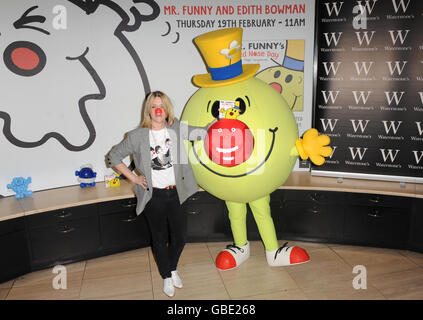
[[294, 55], [221, 50]]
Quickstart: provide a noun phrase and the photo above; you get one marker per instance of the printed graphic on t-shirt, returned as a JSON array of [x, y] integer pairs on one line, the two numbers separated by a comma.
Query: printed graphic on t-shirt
[[160, 156]]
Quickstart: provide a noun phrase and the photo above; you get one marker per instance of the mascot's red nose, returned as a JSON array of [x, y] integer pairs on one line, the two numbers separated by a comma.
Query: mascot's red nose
[[229, 142]]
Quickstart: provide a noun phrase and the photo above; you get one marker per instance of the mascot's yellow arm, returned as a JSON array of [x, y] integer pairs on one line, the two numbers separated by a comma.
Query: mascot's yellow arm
[[314, 146]]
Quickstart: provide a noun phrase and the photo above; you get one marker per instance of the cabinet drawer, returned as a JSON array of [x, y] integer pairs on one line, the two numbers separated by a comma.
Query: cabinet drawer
[[312, 220], [11, 225], [203, 197], [14, 259], [117, 206], [124, 229], [322, 197], [377, 200], [206, 221], [376, 226], [64, 240], [51, 218]]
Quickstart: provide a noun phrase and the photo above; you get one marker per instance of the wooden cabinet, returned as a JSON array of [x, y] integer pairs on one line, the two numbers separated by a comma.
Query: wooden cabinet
[[120, 227], [78, 233], [63, 236], [14, 259]]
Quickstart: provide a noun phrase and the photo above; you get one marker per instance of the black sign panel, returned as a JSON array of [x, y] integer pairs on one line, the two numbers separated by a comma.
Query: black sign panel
[[369, 86]]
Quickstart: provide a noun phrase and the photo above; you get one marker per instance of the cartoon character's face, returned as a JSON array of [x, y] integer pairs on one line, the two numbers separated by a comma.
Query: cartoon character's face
[[18, 181], [268, 132], [289, 83], [39, 67], [231, 113]]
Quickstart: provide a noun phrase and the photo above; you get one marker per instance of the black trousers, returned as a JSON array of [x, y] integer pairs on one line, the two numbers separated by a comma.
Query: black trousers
[[168, 227]]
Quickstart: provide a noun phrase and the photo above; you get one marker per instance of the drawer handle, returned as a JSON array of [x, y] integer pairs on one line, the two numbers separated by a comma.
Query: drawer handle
[[314, 197], [63, 214], [130, 219], [315, 211], [66, 229], [129, 205], [374, 214], [375, 200]]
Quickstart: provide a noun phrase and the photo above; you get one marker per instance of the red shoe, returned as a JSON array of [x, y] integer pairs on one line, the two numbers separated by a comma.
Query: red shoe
[[286, 256], [232, 256]]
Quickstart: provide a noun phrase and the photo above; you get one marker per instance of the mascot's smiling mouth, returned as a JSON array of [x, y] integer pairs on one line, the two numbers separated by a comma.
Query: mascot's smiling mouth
[[273, 131]]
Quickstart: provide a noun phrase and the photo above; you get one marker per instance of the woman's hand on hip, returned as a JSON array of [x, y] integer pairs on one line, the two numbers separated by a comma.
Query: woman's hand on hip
[[140, 180]]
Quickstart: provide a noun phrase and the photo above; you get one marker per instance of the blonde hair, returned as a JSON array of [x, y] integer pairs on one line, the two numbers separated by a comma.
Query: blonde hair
[[167, 105]]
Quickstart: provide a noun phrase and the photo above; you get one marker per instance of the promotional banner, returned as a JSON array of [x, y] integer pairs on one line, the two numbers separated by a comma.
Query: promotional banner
[[369, 96], [74, 73]]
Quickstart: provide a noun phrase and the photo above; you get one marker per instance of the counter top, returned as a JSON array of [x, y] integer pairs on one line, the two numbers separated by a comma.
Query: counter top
[[71, 196]]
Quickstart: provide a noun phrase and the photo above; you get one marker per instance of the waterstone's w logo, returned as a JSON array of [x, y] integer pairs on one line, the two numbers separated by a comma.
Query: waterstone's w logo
[[333, 7], [388, 153], [359, 124], [421, 97], [417, 156], [394, 125], [367, 5], [400, 3], [366, 66], [361, 96], [330, 66], [333, 151], [398, 34], [329, 123], [358, 152], [396, 67], [364, 35], [330, 96], [419, 127], [390, 96], [332, 37]]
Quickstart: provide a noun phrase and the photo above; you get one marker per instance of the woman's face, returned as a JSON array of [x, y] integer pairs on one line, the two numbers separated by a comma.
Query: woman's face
[[157, 111]]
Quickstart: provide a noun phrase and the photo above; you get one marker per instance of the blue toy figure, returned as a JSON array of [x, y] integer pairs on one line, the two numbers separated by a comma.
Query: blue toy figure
[[86, 176], [20, 186]]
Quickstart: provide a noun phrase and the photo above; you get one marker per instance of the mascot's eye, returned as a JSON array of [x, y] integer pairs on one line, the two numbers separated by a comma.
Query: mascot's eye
[[219, 130], [215, 109], [277, 74], [233, 129], [242, 106], [288, 78]]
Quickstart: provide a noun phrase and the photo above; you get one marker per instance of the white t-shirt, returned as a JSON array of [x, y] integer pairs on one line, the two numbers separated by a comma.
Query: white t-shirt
[[162, 172]]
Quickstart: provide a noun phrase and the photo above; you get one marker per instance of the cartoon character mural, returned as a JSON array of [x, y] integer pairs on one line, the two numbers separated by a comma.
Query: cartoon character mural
[[26, 59], [244, 159], [58, 81], [288, 78]]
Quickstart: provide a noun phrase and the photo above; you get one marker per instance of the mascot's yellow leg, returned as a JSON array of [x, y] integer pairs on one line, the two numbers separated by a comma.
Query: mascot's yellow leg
[[238, 219], [264, 221], [262, 216]]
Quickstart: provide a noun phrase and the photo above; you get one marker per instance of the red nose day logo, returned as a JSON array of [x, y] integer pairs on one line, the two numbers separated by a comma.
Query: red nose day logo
[[229, 142]]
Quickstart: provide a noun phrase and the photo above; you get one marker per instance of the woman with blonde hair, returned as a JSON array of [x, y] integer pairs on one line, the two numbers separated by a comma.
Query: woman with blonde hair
[[164, 183]]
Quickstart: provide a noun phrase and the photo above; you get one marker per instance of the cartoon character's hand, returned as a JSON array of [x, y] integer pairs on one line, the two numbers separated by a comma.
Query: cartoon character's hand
[[314, 146]]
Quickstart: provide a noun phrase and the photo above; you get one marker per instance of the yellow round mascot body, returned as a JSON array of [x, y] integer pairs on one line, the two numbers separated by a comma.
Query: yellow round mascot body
[[250, 148]]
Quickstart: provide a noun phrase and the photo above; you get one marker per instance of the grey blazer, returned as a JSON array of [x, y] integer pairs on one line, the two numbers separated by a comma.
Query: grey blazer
[[137, 143]]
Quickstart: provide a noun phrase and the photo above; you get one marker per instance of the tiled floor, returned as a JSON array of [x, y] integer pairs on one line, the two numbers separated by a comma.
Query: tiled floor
[[391, 274]]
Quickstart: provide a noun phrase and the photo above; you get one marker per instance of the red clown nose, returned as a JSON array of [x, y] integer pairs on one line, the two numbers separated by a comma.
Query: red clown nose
[[158, 111], [229, 142]]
